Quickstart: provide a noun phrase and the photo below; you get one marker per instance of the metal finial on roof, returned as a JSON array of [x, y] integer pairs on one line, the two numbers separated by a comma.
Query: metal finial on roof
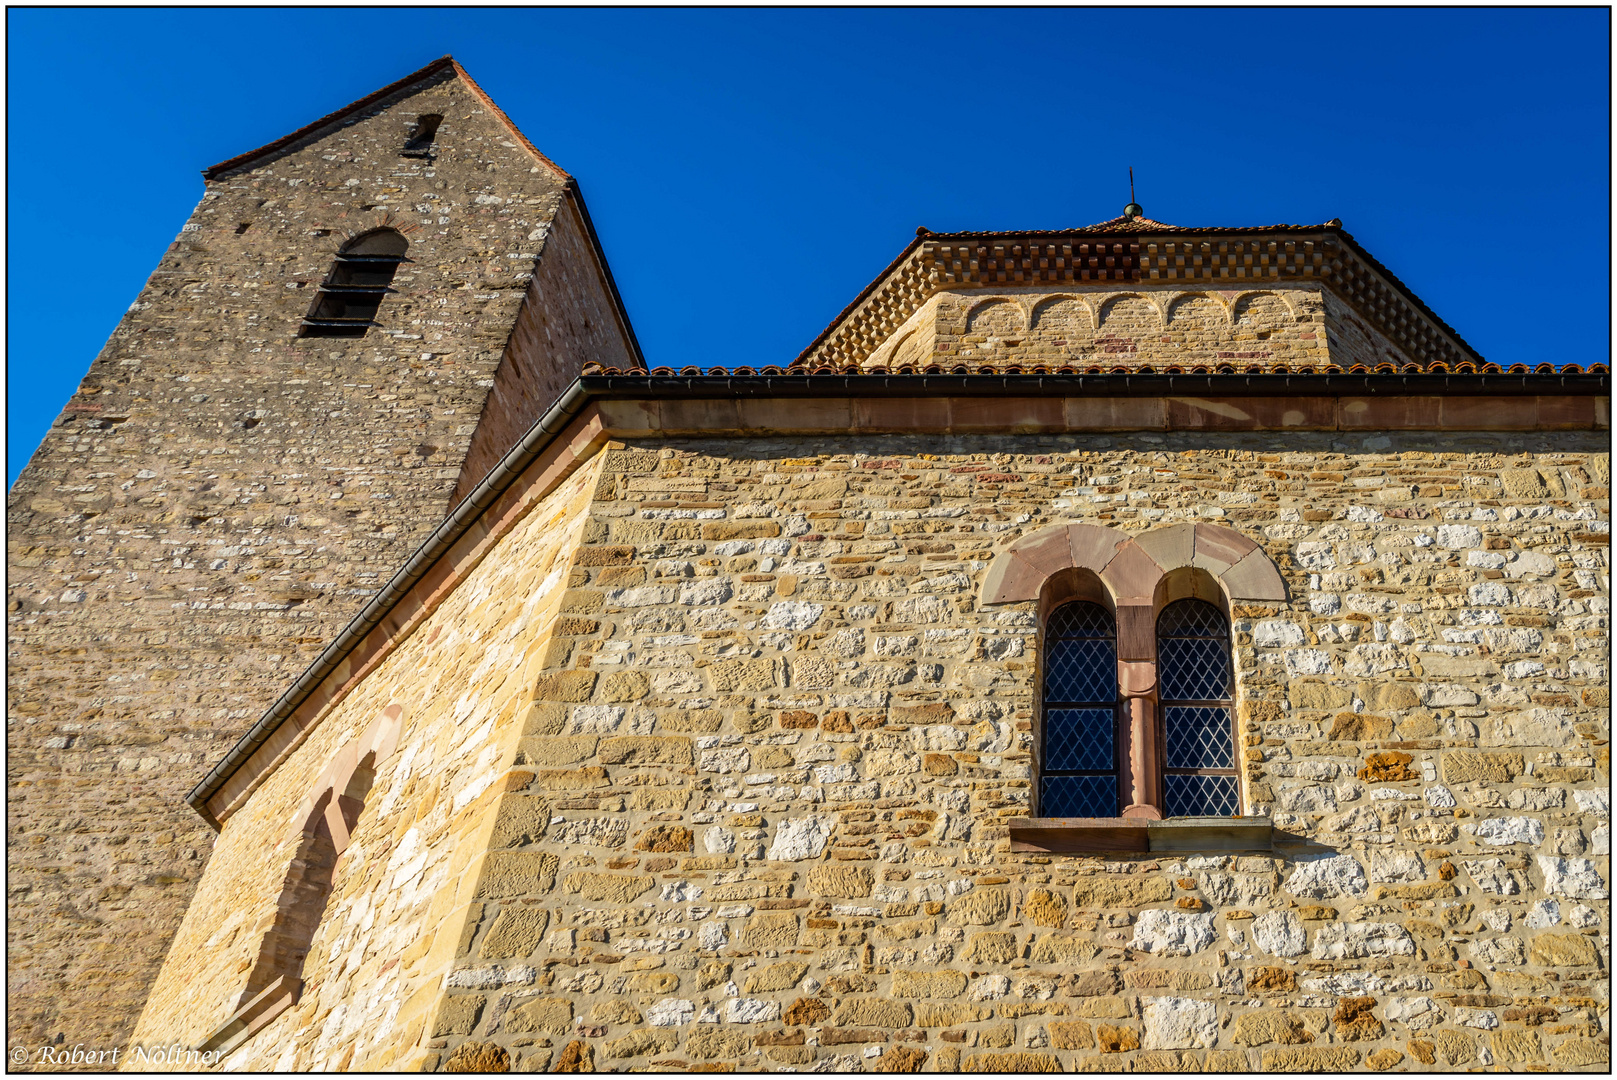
[[1133, 209]]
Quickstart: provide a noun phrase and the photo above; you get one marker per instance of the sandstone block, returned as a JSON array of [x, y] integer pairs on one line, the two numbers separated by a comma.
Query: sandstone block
[[739, 530], [1384, 1059], [806, 1010], [1311, 1059], [1493, 765], [1360, 727], [1456, 1047], [1515, 1046], [1011, 1063], [1271, 980], [584, 779], [708, 1043], [576, 1057], [646, 750], [730, 676], [1116, 891], [946, 1014], [1116, 1039], [775, 977], [517, 874], [478, 1057], [1070, 1035], [1045, 908], [1062, 949], [1575, 1052], [459, 1015], [607, 888], [565, 686], [566, 750], [552, 1016], [770, 930], [929, 984], [1270, 1026], [645, 1041], [873, 1012], [1564, 950], [992, 948], [900, 1059], [666, 838], [980, 907], [841, 881], [517, 931], [523, 819]]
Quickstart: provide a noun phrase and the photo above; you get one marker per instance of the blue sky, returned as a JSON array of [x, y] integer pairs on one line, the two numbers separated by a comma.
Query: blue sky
[[1469, 150]]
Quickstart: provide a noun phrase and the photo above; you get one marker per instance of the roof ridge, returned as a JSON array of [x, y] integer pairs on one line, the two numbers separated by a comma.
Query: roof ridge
[[213, 172]]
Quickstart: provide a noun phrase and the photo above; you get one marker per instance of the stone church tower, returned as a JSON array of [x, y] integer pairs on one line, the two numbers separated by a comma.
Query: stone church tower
[[257, 449]]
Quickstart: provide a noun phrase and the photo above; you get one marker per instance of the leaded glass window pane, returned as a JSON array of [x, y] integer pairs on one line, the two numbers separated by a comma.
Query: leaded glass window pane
[[1195, 681], [1079, 796], [1198, 737], [1079, 752], [1193, 652], [1080, 740], [1079, 669], [1190, 795]]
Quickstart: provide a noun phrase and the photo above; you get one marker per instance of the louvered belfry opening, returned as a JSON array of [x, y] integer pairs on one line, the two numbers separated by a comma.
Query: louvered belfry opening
[[1078, 777], [1198, 736], [353, 291]]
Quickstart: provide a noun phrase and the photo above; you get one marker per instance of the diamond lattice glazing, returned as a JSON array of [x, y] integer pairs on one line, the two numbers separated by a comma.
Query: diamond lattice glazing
[[1192, 796], [1193, 658], [1078, 796], [1080, 670], [1079, 740], [1080, 620], [1198, 738]]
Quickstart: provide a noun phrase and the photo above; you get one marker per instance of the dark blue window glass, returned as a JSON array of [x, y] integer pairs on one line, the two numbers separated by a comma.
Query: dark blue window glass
[[1079, 752], [1194, 680]]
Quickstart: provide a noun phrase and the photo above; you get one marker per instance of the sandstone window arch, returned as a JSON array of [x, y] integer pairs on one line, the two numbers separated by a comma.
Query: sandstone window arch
[[1140, 579], [327, 818]]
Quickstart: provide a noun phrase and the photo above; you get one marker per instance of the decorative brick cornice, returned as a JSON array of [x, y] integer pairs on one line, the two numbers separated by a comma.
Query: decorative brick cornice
[[1126, 254]]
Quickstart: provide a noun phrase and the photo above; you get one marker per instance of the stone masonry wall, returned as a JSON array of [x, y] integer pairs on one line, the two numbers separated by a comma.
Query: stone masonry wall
[[218, 498], [401, 892], [1160, 326], [777, 758]]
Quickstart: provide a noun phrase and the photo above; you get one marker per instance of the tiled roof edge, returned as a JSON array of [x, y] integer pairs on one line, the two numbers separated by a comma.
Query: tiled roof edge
[[213, 172]]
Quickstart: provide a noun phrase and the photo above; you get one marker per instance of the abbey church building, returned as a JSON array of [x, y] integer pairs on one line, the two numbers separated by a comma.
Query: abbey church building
[[1134, 647]]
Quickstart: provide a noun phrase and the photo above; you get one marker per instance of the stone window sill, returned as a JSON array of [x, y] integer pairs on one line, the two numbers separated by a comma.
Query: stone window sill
[[1096, 836]]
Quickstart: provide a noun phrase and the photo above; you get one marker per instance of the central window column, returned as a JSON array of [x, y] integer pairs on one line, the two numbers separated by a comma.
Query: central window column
[[1137, 692]]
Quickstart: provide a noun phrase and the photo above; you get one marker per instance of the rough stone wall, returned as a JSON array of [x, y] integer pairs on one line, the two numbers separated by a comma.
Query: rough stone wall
[[570, 319], [218, 499], [778, 760], [402, 890], [1160, 326]]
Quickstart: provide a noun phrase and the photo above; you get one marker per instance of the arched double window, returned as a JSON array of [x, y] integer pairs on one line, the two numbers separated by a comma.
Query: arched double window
[[351, 294], [1080, 744], [1197, 725], [1184, 765]]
